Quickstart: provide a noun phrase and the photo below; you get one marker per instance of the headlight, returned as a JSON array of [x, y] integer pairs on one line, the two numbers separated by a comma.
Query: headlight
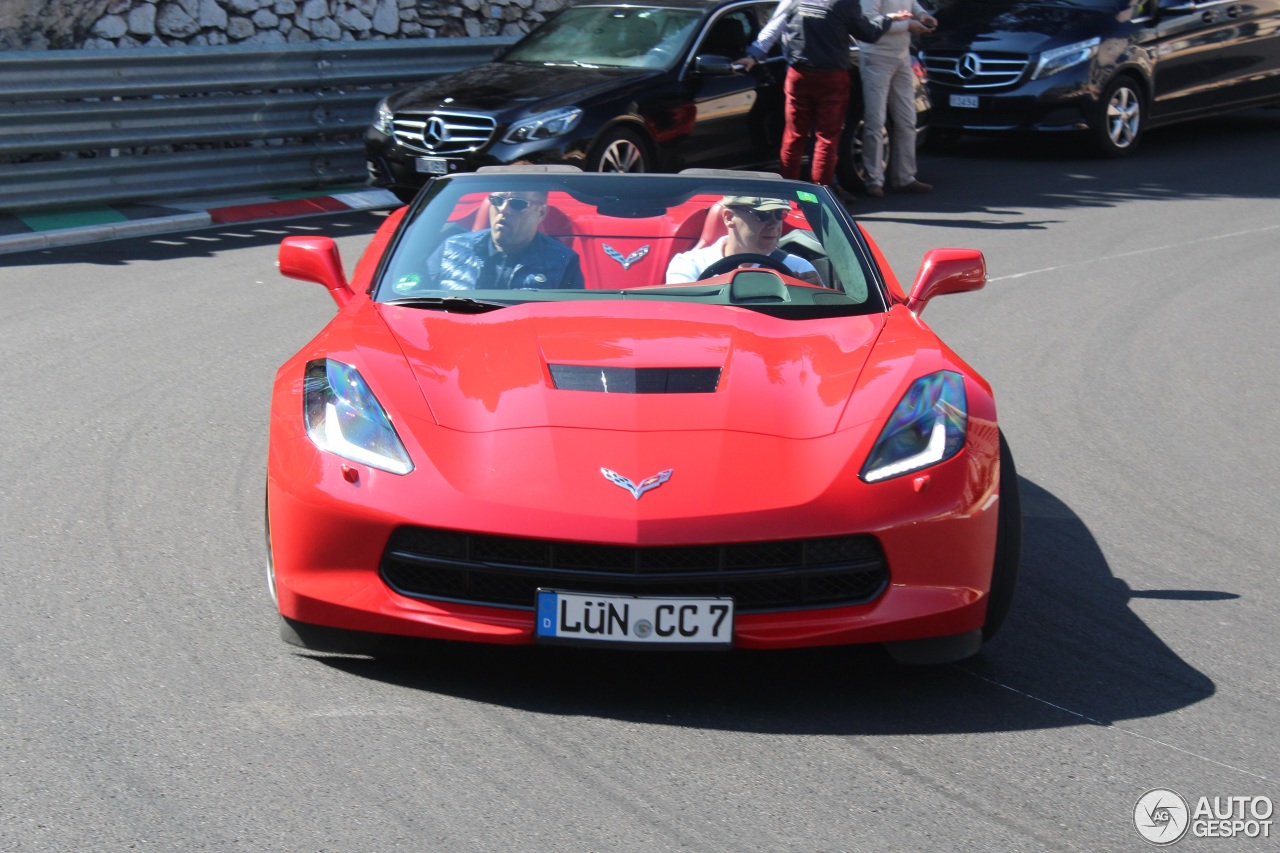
[[344, 418], [382, 118], [544, 125], [927, 426], [1062, 58]]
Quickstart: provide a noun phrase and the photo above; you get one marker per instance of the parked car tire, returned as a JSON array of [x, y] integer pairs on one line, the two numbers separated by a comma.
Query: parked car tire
[[849, 167], [850, 170], [1119, 118], [619, 150]]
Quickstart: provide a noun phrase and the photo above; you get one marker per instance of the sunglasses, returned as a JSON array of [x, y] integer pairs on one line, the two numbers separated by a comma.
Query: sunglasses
[[516, 204], [765, 215]]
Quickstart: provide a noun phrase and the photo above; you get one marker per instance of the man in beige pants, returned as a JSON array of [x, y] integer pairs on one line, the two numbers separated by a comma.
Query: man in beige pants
[[888, 89]]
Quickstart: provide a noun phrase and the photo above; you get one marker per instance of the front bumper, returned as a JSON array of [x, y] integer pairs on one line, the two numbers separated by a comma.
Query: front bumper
[[328, 537], [393, 166], [1063, 102]]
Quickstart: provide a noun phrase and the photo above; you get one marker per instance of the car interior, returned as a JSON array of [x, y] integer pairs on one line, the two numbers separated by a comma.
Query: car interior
[[728, 37], [624, 231], [693, 225]]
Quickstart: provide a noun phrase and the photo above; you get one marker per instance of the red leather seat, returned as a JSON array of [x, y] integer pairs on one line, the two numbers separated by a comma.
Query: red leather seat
[[713, 227]]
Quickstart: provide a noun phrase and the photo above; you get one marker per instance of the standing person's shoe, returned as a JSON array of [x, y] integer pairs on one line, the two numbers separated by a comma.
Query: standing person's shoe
[[914, 187], [843, 194], [875, 191]]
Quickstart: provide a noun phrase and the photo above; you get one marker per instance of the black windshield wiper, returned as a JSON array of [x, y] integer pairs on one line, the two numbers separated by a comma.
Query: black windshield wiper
[[452, 304]]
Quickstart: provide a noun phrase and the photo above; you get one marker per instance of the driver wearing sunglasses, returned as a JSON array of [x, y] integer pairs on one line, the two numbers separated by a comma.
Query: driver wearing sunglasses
[[511, 254], [753, 225]]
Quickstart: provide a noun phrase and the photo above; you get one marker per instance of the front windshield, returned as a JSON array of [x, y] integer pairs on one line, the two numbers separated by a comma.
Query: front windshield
[[613, 36], [504, 237]]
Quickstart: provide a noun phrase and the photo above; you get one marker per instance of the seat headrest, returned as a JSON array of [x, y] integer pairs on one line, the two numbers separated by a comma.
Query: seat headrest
[[555, 224], [713, 227]]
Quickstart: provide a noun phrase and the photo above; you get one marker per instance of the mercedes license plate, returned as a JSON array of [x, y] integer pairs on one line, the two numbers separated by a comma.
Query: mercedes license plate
[[968, 101], [585, 619], [432, 165]]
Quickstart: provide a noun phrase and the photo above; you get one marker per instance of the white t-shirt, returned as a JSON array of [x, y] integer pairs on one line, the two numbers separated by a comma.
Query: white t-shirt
[[687, 266]]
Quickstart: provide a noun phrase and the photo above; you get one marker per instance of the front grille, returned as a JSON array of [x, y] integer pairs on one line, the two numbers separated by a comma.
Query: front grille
[[969, 70], [506, 571], [442, 133]]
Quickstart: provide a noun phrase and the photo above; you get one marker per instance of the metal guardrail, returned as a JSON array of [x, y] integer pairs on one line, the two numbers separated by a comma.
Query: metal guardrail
[[109, 126]]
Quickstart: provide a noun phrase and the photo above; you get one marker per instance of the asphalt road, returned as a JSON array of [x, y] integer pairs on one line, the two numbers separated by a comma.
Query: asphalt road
[[1129, 329]]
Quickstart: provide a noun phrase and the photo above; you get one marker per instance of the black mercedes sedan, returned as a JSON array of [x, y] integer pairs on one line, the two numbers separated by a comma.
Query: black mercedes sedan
[[607, 87], [1108, 69]]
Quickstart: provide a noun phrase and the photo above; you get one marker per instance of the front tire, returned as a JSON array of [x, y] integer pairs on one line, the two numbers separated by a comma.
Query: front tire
[[1008, 559], [316, 638], [620, 150], [271, 561], [1119, 118]]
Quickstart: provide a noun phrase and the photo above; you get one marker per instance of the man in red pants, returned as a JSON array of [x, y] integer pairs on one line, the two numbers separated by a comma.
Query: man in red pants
[[815, 36]]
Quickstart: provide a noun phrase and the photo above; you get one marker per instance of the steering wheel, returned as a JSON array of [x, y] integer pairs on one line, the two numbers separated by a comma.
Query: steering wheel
[[729, 262]]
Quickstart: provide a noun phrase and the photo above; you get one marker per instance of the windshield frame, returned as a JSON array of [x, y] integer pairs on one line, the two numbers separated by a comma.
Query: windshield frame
[[649, 199]]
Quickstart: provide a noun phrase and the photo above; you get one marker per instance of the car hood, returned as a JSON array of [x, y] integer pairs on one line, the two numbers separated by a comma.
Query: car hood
[[500, 87], [507, 369], [1015, 27]]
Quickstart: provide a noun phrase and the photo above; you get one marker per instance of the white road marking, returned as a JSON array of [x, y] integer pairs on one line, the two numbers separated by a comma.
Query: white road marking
[[1104, 258]]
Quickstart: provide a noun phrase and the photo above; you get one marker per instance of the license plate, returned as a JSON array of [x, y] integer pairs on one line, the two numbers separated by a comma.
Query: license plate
[[432, 165], [968, 101], [585, 619]]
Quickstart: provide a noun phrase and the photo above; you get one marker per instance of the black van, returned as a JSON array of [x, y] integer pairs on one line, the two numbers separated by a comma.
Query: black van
[[1109, 67]]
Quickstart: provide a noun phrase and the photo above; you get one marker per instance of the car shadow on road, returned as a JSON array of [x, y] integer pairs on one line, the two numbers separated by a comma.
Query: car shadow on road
[[1008, 183], [1070, 653]]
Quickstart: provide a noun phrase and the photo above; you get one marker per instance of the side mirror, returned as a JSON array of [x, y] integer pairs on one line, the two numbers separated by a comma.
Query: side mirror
[[714, 66], [315, 259], [947, 271]]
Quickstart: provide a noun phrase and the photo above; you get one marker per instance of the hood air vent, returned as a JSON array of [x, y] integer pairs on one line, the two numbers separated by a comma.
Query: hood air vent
[[636, 380]]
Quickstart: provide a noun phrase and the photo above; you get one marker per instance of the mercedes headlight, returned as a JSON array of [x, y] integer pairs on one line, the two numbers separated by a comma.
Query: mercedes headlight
[[1062, 58], [927, 426], [344, 418], [544, 125], [383, 118]]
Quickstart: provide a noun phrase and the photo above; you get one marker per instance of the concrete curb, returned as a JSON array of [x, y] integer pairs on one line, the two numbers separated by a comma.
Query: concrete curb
[[216, 212], [99, 233]]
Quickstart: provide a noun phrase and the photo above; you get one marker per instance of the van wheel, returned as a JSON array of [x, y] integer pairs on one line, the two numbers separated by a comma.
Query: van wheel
[[1118, 119], [619, 151]]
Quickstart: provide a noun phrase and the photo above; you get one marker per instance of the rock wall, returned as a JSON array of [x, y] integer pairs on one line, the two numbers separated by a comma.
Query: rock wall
[[61, 24]]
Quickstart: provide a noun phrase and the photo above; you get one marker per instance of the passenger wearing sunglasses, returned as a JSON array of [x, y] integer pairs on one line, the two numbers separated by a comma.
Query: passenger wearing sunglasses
[[511, 254], [752, 224]]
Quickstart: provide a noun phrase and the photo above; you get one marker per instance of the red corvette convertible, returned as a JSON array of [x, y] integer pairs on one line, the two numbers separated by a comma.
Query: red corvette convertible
[[689, 411]]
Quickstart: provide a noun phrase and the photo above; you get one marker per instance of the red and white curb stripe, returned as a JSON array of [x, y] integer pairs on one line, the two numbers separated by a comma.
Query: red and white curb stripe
[[257, 209]]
